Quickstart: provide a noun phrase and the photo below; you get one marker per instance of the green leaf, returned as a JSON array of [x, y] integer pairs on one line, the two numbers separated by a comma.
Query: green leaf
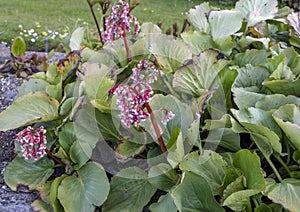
[[32, 85], [197, 17], [255, 11], [194, 194], [275, 101], [67, 105], [77, 38], [56, 205], [18, 47], [170, 53], [262, 129], [128, 149], [20, 171], [251, 77], [28, 109], [238, 201], [287, 117], [163, 177], [86, 191], [253, 57], [286, 193], [218, 21], [40, 205], [175, 148], [284, 86], [165, 204], [80, 153], [263, 208], [182, 119], [245, 99], [130, 191], [67, 136], [96, 80], [198, 41], [200, 74], [208, 165], [249, 164]]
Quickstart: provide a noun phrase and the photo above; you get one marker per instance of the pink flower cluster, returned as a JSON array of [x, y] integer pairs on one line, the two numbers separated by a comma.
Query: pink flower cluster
[[131, 99], [119, 21], [32, 142], [149, 68]]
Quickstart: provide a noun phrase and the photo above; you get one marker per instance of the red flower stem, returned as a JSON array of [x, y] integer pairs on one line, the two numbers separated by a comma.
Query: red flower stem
[[157, 130], [126, 45], [55, 158], [96, 22]]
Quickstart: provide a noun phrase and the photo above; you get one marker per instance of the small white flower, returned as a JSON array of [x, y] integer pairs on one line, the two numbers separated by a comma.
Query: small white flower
[[34, 34], [32, 40], [56, 33], [20, 26], [21, 33], [49, 31], [26, 35], [24, 30]]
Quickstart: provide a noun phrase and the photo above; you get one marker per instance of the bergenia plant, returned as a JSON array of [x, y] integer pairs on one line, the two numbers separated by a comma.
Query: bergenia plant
[[132, 99], [118, 23]]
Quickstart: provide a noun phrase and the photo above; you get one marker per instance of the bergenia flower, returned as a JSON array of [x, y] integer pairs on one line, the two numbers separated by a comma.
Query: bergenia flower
[[132, 99], [32, 142], [119, 22], [294, 21]]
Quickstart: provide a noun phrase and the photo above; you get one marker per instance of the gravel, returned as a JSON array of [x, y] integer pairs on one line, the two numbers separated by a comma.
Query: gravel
[[12, 201]]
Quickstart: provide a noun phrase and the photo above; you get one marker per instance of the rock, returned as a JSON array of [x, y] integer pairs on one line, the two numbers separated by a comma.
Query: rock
[[4, 53]]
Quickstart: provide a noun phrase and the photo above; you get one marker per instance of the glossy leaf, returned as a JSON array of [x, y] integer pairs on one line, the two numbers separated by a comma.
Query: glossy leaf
[[218, 21], [286, 193], [194, 194], [32, 85], [209, 165], [77, 38], [287, 117], [130, 191], [19, 171], [165, 204], [85, 191], [255, 11], [34, 107], [198, 17], [200, 74], [163, 177]]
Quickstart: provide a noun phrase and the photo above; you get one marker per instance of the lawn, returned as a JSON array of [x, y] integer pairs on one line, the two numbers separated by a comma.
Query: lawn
[[43, 17]]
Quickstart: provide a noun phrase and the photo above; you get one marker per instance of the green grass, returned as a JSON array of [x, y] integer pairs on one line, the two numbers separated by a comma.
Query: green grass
[[62, 15]]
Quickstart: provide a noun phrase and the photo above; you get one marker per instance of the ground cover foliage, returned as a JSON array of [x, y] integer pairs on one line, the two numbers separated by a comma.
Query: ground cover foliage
[[207, 121]]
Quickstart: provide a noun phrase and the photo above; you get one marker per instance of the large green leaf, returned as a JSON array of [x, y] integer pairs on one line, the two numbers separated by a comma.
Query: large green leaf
[[286, 193], [218, 21], [253, 57], [182, 119], [163, 177], [130, 191], [284, 86], [194, 194], [80, 152], [85, 191], [56, 205], [200, 74], [262, 128], [32, 85], [245, 99], [175, 148], [251, 77], [198, 17], [209, 165], [19, 171], [170, 53], [255, 11], [198, 41], [28, 109], [96, 80], [249, 164], [165, 204], [288, 118]]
